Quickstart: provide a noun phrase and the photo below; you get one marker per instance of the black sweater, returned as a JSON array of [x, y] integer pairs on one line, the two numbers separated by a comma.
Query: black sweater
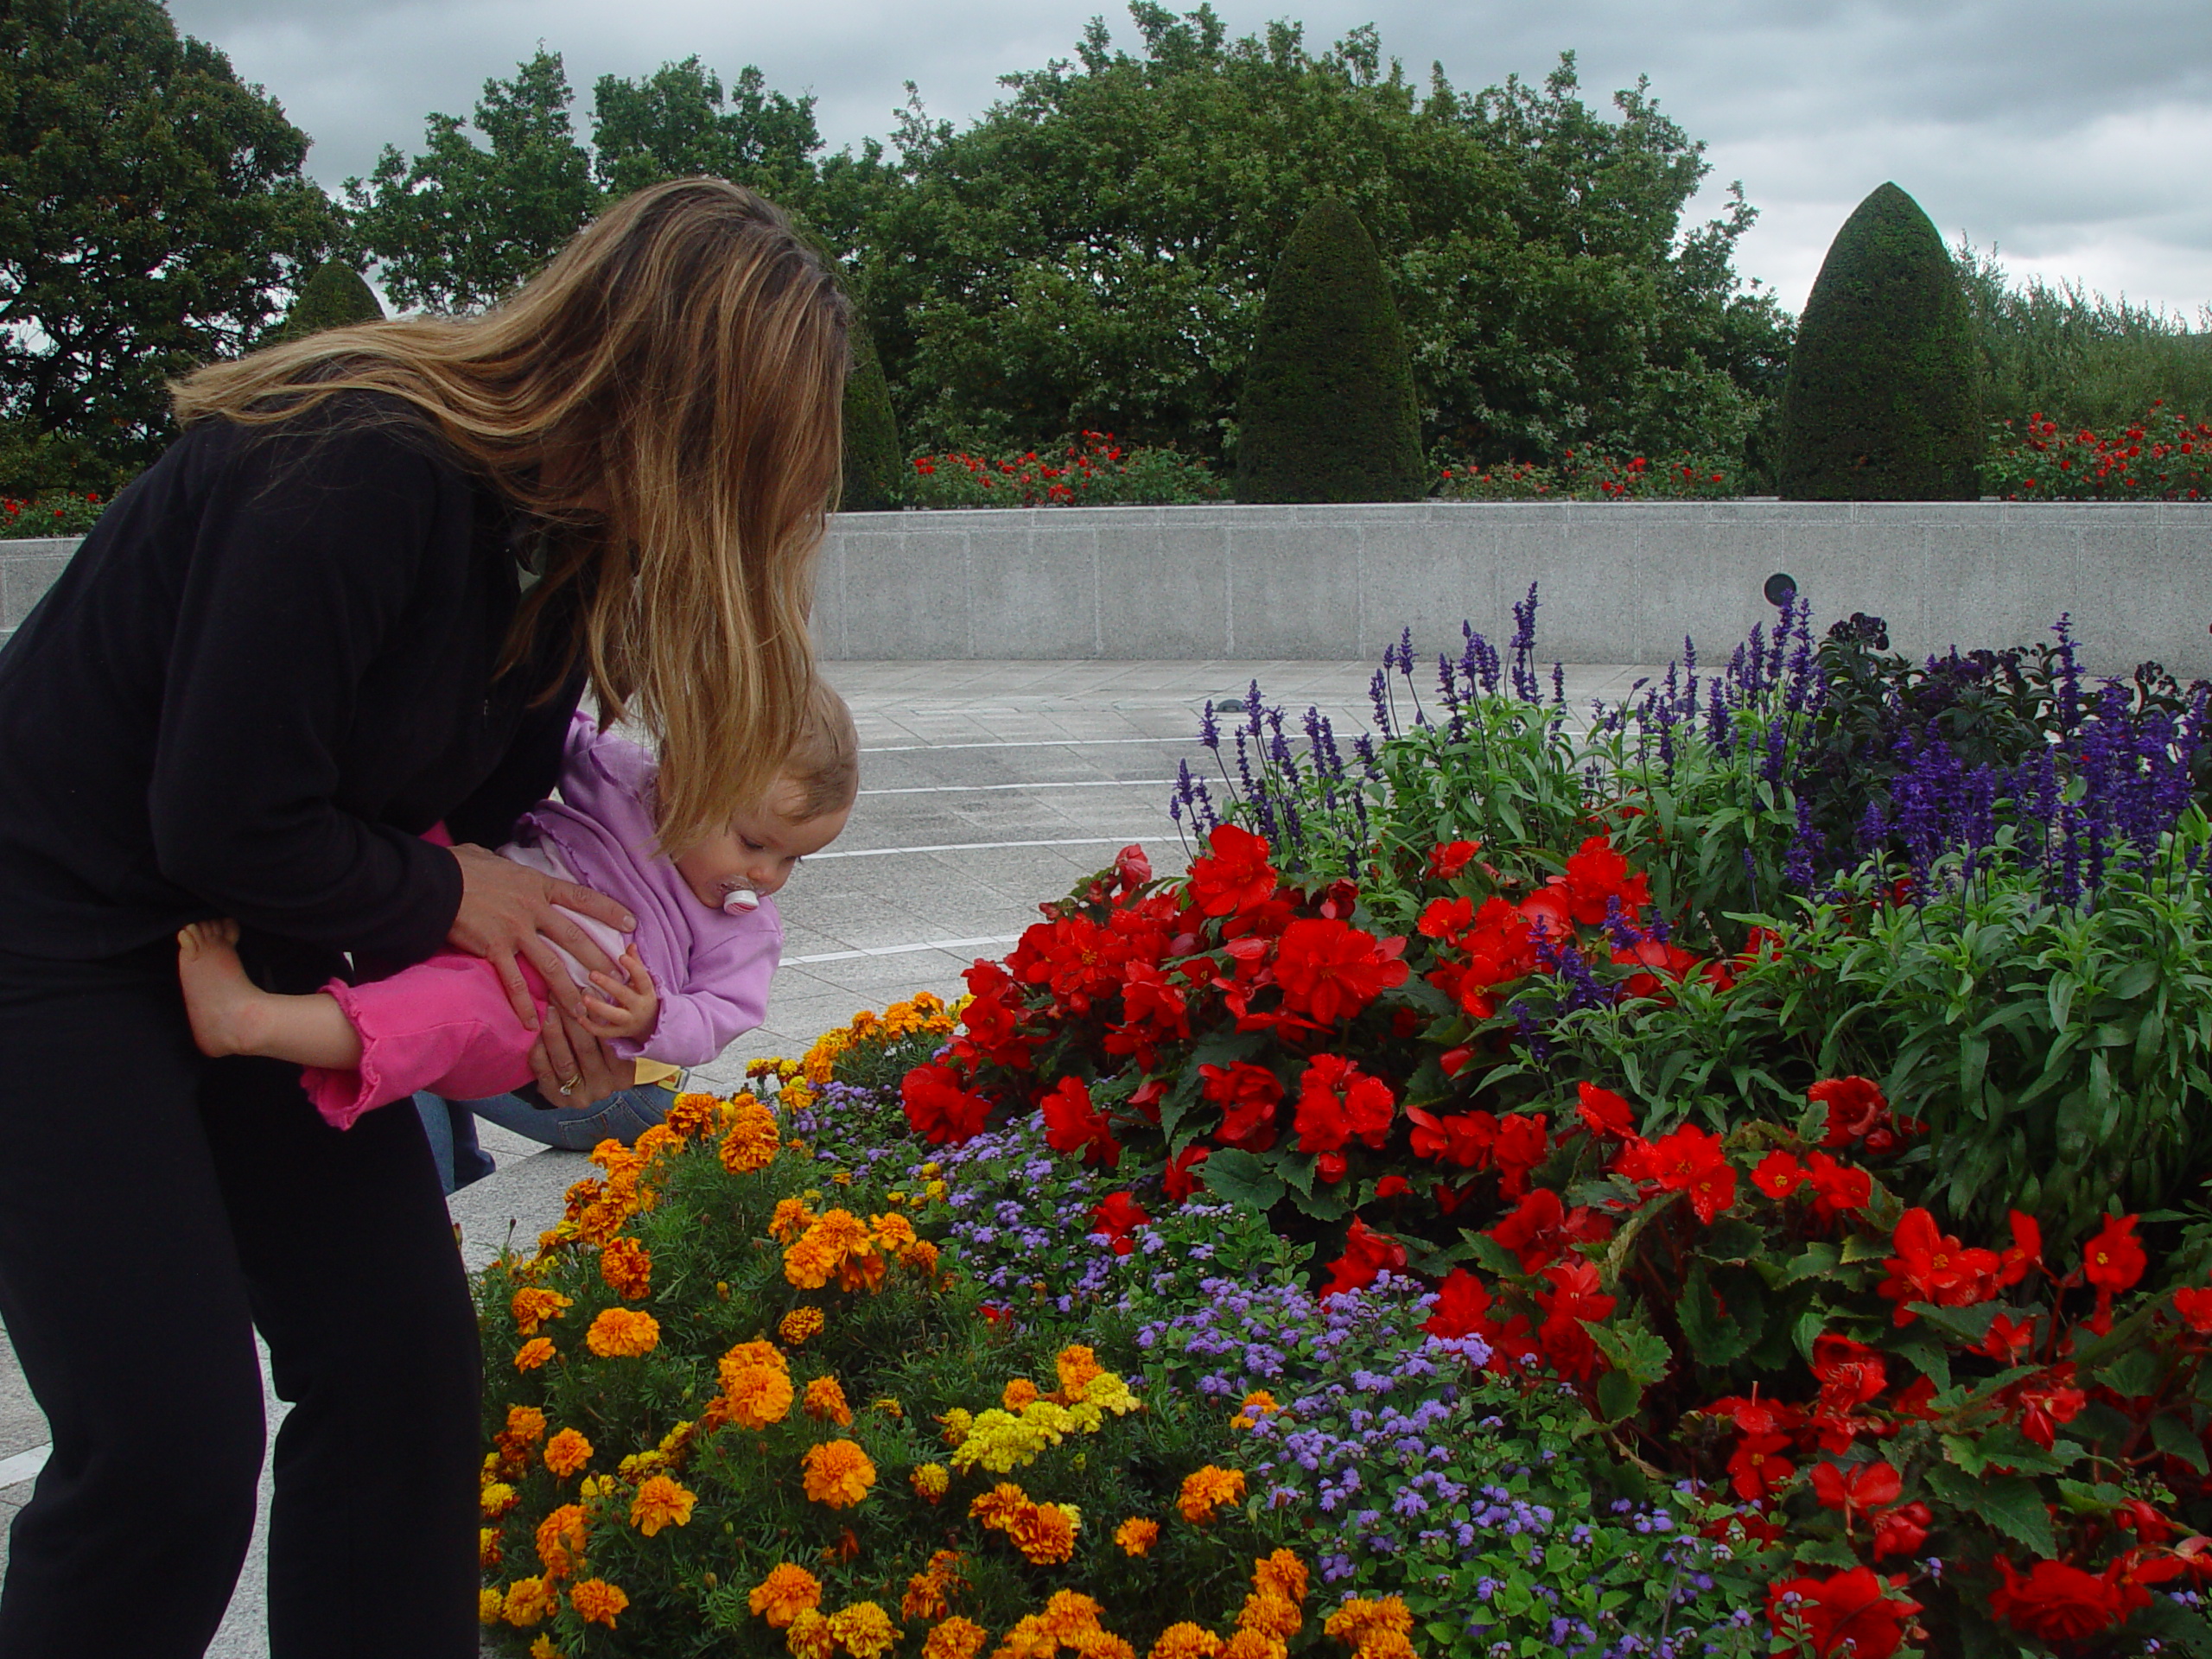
[[268, 670]]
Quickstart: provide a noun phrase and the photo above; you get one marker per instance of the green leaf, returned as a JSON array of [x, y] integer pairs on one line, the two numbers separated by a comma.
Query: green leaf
[[1329, 1204], [1618, 1395], [1971, 1323], [2169, 1622], [2174, 1437], [1714, 1337], [1864, 1247], [1234, 1176], [2014, 1505], [1826, 1552], [1928, 1356], [1811, 1263], [1492, 1256]]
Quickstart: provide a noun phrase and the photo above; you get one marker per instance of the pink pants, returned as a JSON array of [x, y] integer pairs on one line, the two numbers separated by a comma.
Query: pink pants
[[444, 1025]]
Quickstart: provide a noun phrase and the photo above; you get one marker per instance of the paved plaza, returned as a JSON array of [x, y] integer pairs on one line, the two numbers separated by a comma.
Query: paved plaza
[[985, 788]]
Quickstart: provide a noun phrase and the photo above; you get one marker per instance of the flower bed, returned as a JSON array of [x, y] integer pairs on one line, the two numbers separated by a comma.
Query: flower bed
[[1092, 470], [55, 513], [1588, 475], [2164, 456]]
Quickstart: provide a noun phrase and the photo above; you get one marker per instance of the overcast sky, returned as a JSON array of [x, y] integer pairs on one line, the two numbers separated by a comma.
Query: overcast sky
[[2073, 136]]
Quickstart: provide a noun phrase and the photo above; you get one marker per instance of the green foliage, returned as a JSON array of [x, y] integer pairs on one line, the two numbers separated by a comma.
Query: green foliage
[[1882, 403], [1087, 470], [462, 223], [678, 123], [151, 210], [1328, 412], [49, 513], [873, 468], [1093, 251], [333, 296], [2075, 356], [1586, 475]]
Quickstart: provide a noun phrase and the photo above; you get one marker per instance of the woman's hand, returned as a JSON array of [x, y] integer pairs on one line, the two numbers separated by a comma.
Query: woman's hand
[[507, 910], [573, 1067]]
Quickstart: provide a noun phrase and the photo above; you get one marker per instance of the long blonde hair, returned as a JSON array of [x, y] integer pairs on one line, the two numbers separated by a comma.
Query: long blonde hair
[[666, 399]]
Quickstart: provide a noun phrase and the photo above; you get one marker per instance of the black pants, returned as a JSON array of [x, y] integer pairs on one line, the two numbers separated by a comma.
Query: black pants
[[155, 1208]]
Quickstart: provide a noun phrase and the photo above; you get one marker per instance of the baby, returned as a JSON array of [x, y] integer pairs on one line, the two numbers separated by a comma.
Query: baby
[[696, 972]]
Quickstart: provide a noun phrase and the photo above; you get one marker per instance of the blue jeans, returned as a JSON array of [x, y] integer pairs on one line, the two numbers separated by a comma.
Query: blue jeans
[[451, 1126]]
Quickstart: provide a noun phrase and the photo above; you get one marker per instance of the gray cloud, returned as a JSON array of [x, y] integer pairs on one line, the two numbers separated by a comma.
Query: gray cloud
[[2068, 139]]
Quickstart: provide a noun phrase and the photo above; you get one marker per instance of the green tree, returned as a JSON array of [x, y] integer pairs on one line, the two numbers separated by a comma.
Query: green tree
[[1093, 251], [678, 121], [152, 213], [1881, 402], [873, 466], [1328, 411], [333, 297], [462, 223]]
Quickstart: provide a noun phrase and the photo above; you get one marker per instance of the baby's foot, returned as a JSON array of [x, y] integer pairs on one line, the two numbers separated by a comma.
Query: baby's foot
[[222, 1003]]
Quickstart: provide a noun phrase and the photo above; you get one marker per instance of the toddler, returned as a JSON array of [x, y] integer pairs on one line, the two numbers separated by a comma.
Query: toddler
[[696, 972]]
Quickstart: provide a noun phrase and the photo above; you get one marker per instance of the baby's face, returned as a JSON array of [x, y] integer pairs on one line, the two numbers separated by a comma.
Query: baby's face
[[760, 849]]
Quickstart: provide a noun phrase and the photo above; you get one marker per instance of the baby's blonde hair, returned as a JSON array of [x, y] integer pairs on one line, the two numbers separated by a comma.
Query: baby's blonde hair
[[824, 761]]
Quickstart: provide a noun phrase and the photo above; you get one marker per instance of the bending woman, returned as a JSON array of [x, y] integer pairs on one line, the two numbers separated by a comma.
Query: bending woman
[[358, 599]]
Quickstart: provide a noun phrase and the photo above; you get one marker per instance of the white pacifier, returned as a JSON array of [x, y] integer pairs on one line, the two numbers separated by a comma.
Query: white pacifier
[[740, 900]]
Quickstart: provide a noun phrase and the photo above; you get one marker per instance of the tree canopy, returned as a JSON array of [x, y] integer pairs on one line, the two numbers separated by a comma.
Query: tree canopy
[[152, 216]]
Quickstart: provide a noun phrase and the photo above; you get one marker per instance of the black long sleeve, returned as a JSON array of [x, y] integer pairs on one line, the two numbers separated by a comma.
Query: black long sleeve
[[269, 669]]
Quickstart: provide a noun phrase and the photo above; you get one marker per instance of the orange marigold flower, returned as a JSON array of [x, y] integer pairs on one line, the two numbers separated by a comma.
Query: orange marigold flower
[[1360, 1621], [543, 1648], [956, 1638], [925, 1598], [1018, 1394], [837, 1474], [1186, 1641], [567, 1452], [758, 1394], [597, 1602], [791, 1218], [1045, 1533], [532, 1306], [529, 1602], [864, 1629], [654, 1141], [1258, 1644], [998, 1507], [489, 1602], [497, 1498], [753, 1138], [1077, 1364], [526, 1425], [800, 1323], [1270, 1615], [1282, 1572], [1137, 1536], [561, 1540], [660, 1502], [758, 1353], [1070, 1614], [628, 1268], [1257, 1404], [488, 1553], [785, 1593], [824, 1402], [533, 1354], [920, 1255], [931, 1481], [809, 1637], [1207, 1489], [692, 1114], [622, 1332], [894, 1233]]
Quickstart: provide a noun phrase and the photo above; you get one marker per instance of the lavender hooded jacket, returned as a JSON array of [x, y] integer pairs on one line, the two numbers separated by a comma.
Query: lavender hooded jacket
[[710, 970]]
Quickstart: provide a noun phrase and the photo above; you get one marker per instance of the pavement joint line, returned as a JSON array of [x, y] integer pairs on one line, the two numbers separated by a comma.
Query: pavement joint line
[[1075, 782], [991, 846], [20, 1468], [895, 950], [1026, 743]]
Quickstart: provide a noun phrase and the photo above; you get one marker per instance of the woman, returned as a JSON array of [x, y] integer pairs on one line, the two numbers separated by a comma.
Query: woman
[[356, 600]]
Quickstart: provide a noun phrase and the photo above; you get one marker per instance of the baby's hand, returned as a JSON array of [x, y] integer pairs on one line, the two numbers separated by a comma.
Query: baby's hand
[[621, 1009]]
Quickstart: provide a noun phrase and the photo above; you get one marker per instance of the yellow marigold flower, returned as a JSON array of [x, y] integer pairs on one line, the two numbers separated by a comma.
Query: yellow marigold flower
[[956, 1422], [1257, 1404], [1077, 1364], [639, 1464], [1045, 1534], [489, 1604], [938, 1190], [561, 1540], [497, 1498], [488, 1552], [660, 1502], [998, 1507], [1107, 1392], [753, 1138], [1253, 1644], [543, 1648], [1186, 1641], [786, 1592], [1207, 1489], [1270, 1615], [597, 1602], [824, 1402], [758, 1394], [592, 1487], [1282, 1573], [628, 1268], [622, 1332], [1136, 1536], [677, 1440], [888, 1404], [692, 1114], [529, 1602], [533, 1305], [930, 1480], [533, 1354], [800, 1323], [526, 1425], [1018, 1394], [837, 1474], [809, 1637], [567, 1452], [796, 1096], [864, 1629]]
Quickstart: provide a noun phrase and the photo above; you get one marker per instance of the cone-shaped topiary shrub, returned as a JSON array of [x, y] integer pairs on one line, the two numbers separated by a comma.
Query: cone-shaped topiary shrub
[[333, 297], [1328, 411], [1882, 403], [872, 461]]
